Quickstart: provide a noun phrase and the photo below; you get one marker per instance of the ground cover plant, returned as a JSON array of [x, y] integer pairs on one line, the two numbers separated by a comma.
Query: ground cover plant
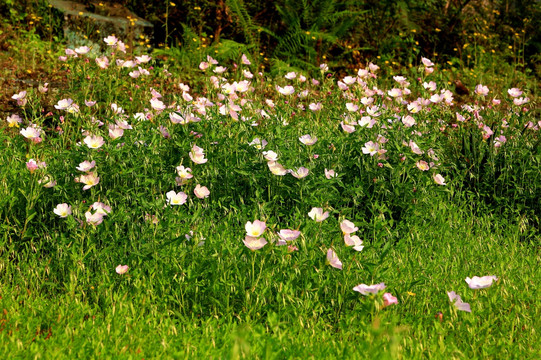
[[249, 216]]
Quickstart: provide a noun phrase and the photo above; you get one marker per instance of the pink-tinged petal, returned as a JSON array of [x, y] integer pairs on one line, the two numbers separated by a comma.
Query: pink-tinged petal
[[288, 235], [460, 305], [333, 260], [369, 289], [255, 229], [481, 282], [348, 227], [254, 243], [389, 299], [122, 269]]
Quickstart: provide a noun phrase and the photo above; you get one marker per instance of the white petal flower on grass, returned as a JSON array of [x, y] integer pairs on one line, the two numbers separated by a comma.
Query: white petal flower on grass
[[286, 90], [481, 282], [270, 155], [355, 241], [14, 120], [481, 90], [438, 179], [201, 191], [370, 148], [86, 166], [308, 140], [121, 269], [330, 174], [110, 40], [333, 259], [276, 168], [184, 173], [254, 243], [318, 215], [348, 227], [174, 198], [369, 289], [408, 120], [426, 62], [101, 208], [259, 144], [93, 142], [157, 104], [514, 92], [62, 210], [197, 155], [90, 179], [287, 235], [300, 172], [255, 229], [457, 301], [30, 133], [115, 132], [94, 219]]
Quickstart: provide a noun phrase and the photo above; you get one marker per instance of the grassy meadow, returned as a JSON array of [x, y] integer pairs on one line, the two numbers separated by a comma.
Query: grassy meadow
[[242, 215]]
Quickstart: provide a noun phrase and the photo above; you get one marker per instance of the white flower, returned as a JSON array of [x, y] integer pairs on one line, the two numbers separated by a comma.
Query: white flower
[[318, 215], [480, 282], [176, 199], [62, 210], [369, 289], [308, 140]]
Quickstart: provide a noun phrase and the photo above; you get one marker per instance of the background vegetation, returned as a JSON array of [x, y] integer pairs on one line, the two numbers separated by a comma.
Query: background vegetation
[[193, 289]]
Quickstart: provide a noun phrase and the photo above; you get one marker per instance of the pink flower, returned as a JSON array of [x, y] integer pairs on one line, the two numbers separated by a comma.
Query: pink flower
[[94, 142], [460, 305], [318, 215], [330, 174], [32, 165], [31, 132], [408, 120], [287, 235], [121, 269], [333, 260], [481, 90], [90, 179], [308, 140], [94, 219], [86, 166], [370, 148], [14, 120], [369, 289], [21, 98], [300, 172], [276, 168], [348, 227], [514, 92], [481, 282], [101, 208], [201, 191], [62, 210], [197, 155], [176, 198], [255, 229], [102, 62], [438, 179], [426, 62], [389, 299], [254, 243], [110, 40], [355, 241], [352, 107], [157, 104], [422, 165], [520, 101]]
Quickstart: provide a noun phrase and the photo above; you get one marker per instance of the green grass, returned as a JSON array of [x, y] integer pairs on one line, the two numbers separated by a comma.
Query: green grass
[[194, 290]]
